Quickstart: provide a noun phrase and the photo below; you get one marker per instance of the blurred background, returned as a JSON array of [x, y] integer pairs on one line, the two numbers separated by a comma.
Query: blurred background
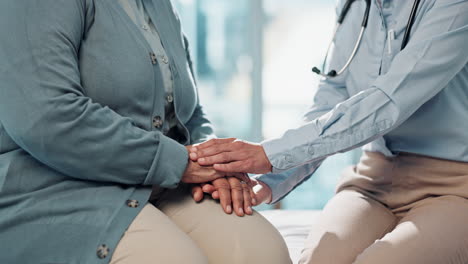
[[253, 61]]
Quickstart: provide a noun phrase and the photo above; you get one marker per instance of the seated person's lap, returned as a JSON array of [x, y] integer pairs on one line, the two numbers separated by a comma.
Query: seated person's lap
[[179, 226], [357, 229], [434, 231]]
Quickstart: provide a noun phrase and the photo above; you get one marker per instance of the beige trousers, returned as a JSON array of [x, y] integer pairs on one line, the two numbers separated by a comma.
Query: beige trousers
[[406, 209], [173, 229]]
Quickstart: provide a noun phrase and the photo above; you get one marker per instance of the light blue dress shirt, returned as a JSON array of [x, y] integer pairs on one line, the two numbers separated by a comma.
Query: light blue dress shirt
[[390, 101]]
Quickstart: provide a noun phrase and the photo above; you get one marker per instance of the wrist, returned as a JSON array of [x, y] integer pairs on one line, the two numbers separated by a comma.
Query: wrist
[[267, 167], [187, 171]]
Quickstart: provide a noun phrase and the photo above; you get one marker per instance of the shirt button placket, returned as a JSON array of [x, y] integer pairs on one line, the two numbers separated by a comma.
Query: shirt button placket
[[170, 98], [165, 60]]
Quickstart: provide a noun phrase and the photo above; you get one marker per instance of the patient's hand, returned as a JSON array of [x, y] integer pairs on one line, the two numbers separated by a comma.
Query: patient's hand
[[196, 173], [228, 192], [233, 194], [231, 155]]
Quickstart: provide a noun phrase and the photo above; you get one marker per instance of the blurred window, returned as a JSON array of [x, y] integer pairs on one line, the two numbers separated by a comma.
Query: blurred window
[[254, 60], [217, 33]]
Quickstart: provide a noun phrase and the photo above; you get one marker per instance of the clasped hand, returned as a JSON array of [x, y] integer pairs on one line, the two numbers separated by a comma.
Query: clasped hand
[[232, 155], [228, 182]]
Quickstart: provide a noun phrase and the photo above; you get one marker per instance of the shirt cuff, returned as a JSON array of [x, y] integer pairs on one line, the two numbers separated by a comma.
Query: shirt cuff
[[169, 165], [272, 183], [279, 157], [281, 184]]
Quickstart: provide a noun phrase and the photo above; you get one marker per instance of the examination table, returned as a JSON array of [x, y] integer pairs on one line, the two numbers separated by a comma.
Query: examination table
[[294, 226]]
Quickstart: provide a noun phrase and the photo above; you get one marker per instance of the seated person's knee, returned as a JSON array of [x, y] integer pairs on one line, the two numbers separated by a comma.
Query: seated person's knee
[[260, 242]]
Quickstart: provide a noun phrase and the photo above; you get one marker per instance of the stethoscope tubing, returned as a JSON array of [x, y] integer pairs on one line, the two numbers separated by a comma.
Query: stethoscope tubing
[[410, 24], [334, 73], [341, 17]]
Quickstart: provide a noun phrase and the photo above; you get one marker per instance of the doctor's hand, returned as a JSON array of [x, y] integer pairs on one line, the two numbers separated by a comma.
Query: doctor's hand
[[196, 173], [233, 194], [231, 155]]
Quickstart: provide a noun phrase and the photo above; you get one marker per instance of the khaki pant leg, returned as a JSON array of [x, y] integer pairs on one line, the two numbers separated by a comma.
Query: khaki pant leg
[[435, 231], [349, 224], [152, 238], [225, 239]]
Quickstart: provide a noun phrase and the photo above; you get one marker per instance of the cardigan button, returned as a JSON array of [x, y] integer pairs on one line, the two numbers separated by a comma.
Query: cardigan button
[[102, 251], [154, 58], [157, 122], [133, 203]]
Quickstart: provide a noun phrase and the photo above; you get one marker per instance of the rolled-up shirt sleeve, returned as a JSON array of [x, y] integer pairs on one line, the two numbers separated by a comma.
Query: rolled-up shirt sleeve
[[43, 107], [435, 54]]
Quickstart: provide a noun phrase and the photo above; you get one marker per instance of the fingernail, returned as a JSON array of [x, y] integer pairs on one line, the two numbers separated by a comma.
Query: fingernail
[[249, 210], [194, 149], [193, 155], [241, 211], [229, 209], [254, 201], [202, 160]]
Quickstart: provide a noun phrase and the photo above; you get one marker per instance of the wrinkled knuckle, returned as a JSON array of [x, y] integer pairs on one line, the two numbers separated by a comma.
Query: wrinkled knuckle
[[217, 182], [237, 188], [215, 148], [222, 181], [243, 154], [225, 156], [230, 179], [223, 188], [235, 182], [225, 185]]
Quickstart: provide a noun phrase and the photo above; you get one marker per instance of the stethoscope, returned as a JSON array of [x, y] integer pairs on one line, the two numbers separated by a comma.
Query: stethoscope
[[341, 17]]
